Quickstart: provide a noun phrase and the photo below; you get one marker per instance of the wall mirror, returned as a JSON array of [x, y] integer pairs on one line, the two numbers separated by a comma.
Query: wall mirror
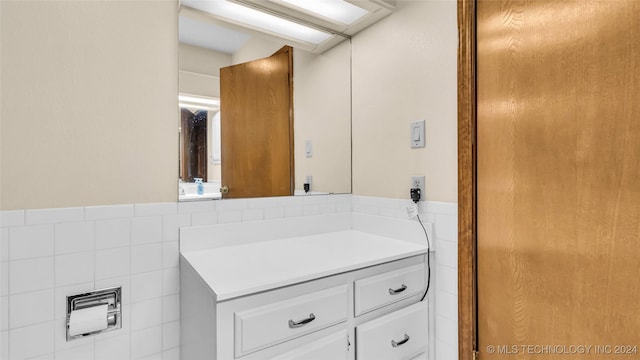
[[319, 139]]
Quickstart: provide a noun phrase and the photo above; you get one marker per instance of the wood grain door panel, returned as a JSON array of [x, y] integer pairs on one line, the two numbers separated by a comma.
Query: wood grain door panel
[[256, 108], [558, 175]]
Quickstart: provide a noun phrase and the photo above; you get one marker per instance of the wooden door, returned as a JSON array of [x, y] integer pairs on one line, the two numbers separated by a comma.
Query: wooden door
[[256, 109], [558, 179]]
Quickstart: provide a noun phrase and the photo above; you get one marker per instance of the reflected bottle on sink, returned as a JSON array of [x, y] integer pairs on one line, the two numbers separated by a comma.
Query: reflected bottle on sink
[[199, 186]]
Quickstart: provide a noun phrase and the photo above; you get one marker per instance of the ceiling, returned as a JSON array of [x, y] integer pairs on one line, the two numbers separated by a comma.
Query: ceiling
[[210, 36], [200, 26]]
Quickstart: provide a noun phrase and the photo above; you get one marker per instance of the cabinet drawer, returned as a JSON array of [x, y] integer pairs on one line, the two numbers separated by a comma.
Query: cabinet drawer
[[332, 347], [272, 324], [380, 290], [401, 335]]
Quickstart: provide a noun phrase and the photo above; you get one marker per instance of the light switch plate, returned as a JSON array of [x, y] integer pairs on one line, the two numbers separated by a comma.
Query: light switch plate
[[417, 134], [308, 148]]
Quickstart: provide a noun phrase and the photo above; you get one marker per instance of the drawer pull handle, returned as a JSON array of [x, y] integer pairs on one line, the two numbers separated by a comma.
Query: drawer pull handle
[[398, 290], [297, 324], [401, 342]]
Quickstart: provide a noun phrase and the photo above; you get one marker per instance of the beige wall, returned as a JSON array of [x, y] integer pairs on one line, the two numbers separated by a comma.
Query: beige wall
[[404, 69], [89, 106], [322, 113], [200, 70]]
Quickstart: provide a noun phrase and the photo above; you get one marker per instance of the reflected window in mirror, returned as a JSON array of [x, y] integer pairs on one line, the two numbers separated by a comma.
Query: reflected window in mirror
[[199, 149]]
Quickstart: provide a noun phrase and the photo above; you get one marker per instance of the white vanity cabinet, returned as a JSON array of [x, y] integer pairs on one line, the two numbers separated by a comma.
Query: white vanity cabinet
[[345, 302]]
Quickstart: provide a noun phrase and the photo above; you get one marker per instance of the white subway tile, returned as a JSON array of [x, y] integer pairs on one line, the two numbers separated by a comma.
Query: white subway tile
[[388, 203], [30, 242], [4, 279], [446, 208], [31, 308], [112, 233], [170, 254], [53, 216], [446, 351], [293, 211], [367, 201], [447, 305], [310, 210], [395, 213], [31, 341], [4, 313], [252, 215], [113, 348], [74, 237], [124, 282], [328, 208], [60, 337], [50, 356], [4, 244], [170, 281], [156, 209], [314, 199], [113, 263], [447, 227], [171, 308], [146, 286], [447, 330], [30, 275], [172, 354], [343, 206], [446, 253], [145, 230], [4, 345], [83, 352], [204, 218], [146, 342], [171, 225], [261, 203], [229, 216], [273, 213], [108, 212], [196, 207], [447, 279], [74, 268], [146, 314], [11, 218], [231, 205], [61, 293], [156, 356], [146, 258], [364, 209], [288, 201], [170, 335]]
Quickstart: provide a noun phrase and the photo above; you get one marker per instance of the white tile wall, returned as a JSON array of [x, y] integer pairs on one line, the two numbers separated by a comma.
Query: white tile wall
[[50, 253], [377, 214], [47, 254]]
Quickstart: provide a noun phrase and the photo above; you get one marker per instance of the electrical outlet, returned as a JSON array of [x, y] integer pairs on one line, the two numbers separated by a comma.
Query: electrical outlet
[[418, 182], [309, 178]]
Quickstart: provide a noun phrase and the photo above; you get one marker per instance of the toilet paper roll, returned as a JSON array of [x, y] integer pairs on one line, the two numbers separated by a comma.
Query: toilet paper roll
[[88, 320]]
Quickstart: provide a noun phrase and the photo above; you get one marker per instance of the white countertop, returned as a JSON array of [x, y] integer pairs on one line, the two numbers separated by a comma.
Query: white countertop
[[235, 271]]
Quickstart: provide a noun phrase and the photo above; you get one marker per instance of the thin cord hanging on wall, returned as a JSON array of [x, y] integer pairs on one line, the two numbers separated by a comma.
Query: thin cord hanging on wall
[[428, 258]]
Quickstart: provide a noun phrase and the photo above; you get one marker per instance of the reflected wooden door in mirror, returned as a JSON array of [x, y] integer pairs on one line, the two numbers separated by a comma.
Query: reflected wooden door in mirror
[[256, 106]]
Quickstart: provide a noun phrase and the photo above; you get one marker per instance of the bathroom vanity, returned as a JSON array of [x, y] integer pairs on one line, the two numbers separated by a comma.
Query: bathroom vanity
[[336, 295]]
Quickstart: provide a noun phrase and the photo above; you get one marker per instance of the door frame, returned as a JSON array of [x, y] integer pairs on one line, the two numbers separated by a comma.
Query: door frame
[[467, 240]]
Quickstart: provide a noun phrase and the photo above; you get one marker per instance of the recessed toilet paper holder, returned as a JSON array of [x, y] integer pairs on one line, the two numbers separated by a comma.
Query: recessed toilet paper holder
[[112, 297]]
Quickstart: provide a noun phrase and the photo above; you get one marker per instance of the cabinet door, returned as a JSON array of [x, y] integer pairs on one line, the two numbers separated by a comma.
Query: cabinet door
[[334, 347], [401, 335]]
